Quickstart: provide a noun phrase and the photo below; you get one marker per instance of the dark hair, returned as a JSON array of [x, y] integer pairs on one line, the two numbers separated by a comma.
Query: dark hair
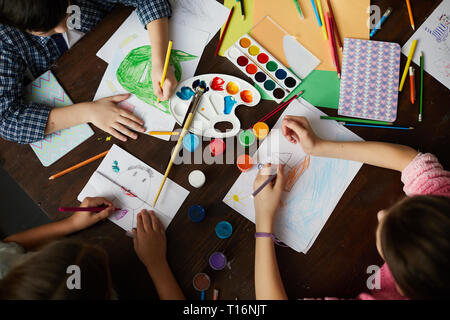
[[415, 241], [43, 276], [33, 15]]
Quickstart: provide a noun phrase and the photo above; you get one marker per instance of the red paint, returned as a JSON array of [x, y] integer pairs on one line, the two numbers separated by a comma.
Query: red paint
[[251, 69], [263, 58], [217, 84], [242, 61], [217, 147]]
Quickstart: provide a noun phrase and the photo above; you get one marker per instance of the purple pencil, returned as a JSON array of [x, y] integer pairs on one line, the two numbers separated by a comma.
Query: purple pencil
[[87, 209]]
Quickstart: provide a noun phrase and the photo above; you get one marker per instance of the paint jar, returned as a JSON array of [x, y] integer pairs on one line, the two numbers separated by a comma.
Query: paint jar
[[244, 162], [261, 130], [191, 142], [224, 229], [196, 213], [246, 138], [201, 282], [217, 147], [217, 261], [197, 179]]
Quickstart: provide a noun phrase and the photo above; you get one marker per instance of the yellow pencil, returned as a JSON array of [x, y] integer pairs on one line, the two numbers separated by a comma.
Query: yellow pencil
[[324, 30], [411, 19], [408, 63], [163, 133], [166, 64]]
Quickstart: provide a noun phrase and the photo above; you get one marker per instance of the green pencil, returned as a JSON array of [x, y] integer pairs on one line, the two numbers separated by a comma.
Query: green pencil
[[356, 120], [421, 86], [299, 9]]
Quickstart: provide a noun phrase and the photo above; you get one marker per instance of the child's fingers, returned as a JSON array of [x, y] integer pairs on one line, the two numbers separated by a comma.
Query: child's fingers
[[155, 221], [124, 130], [104, 214], [119, 98], [157, 90], [117, 135], [281, 178], [132, 117], [140, 223], [146, 221]]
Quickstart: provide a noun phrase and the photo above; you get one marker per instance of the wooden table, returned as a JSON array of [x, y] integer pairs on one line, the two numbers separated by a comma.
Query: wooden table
[[335, 265]]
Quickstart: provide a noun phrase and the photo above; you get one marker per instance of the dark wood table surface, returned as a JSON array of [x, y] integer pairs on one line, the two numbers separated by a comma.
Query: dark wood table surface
[[335, 265]]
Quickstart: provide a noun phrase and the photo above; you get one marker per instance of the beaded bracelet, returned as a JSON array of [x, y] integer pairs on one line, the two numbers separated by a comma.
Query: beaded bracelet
[[269, 235]]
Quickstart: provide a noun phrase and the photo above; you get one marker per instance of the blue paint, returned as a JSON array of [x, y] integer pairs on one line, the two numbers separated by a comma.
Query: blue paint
[[281, 74], [201, 84], [185, 93], [224, 229], [229, 104], [115, 167], [191, 142], [196, 213]]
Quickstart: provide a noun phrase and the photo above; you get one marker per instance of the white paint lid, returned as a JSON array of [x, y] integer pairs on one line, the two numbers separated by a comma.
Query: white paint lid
[[197, 179]]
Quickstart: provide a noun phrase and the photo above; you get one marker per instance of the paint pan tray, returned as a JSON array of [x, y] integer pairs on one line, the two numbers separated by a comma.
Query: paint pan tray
[[218, 104]]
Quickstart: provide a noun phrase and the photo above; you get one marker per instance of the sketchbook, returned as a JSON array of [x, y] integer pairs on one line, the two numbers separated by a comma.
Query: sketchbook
[[370, 79], [132, 186], [46, 90], [314, 184]]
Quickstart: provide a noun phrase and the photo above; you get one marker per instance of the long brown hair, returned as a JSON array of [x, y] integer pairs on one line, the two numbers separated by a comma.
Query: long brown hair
[[415, 240], [44, 275]]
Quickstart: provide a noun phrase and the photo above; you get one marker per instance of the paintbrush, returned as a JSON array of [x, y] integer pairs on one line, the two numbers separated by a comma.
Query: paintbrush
[[199, 91]]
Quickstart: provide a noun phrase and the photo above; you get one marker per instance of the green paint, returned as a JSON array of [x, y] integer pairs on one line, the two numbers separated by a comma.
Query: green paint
[[131, 74], [247, 138], [271, 66], [269, 85]]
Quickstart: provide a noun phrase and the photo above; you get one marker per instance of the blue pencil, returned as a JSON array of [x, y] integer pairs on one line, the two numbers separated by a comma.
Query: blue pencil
[[383, 18], [372, 126], [317, 12]]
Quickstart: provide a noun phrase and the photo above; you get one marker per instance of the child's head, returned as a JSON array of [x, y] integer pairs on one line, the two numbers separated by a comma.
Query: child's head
[[39, 17], [44, 275], [413, 237]]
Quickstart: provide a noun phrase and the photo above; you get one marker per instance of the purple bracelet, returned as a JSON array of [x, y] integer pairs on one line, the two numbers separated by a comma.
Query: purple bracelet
[[269, 235]]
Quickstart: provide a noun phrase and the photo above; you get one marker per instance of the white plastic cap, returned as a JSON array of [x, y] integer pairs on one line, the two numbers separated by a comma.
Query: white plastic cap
[[197, 179]]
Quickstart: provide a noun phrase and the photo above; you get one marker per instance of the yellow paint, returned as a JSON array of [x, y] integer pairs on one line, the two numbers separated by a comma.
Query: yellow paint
[[253, 50], [232, 88]]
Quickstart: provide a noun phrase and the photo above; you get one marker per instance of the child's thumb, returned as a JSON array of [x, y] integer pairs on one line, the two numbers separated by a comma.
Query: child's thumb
[[120, 97]]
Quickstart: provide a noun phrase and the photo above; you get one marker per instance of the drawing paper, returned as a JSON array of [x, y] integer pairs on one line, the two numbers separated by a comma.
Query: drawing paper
[[434, 41], [140, 182], [46, 90], [315, 185]]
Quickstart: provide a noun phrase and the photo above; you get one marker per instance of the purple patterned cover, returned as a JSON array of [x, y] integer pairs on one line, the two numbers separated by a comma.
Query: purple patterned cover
[[370, 80]]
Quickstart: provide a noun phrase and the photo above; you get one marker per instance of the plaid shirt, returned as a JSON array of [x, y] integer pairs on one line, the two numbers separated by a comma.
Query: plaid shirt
[[26, 122]]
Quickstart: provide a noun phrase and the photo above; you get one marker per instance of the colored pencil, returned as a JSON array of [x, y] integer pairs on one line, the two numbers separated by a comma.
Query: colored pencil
[[336, 31], [216, 294], [356, 120], [191, 113], [373, 126], [224, 31], [332, 45], [164, 133], [336, 55], [86, 209], [411, 19], [77, 166], [421, 86], [383, 18], [269, 180], [408, 63], [166, 64], [242, 9], [278, 109], [300, 12], [319, 6], [412, 84], [316, 12]]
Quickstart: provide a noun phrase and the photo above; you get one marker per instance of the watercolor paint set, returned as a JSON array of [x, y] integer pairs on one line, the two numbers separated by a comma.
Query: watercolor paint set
[[218, 104], [258, 64]]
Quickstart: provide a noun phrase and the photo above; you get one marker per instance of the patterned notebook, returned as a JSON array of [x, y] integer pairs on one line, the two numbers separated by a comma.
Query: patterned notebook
[[370, 79], [46, 90]]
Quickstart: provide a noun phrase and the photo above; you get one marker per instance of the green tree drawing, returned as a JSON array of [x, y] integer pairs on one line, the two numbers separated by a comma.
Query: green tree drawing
[[131, 74]]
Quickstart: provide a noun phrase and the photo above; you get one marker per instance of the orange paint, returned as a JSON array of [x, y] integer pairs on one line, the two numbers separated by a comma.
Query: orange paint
[[245, 42], [251, 69], [261, 130], [247, 96], [244, 162], [232, 88]]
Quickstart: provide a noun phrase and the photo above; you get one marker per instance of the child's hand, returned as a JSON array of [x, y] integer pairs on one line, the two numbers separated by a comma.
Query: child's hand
[[83, 220], [298, 129], [150, 240], [105, 114], [268, 199], [169, 85]]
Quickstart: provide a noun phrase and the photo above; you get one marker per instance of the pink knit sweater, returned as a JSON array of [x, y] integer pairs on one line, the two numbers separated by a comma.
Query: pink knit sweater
[[423, 176]]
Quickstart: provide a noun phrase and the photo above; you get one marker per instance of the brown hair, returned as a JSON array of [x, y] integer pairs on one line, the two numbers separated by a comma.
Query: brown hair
[[43, 276], [415, 240]]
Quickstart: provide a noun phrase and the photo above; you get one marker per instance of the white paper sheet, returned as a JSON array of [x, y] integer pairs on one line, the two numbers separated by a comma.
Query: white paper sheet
[[188, 46], [119, 168], [434, 41], [315, 185]]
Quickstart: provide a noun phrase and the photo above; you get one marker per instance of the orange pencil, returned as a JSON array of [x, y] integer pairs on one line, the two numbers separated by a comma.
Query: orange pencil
[[334, 24], [77, 166], [411, 19], [412, 83]]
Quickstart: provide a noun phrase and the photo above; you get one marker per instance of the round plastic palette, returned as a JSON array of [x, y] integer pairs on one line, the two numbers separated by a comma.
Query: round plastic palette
[[218, 104]]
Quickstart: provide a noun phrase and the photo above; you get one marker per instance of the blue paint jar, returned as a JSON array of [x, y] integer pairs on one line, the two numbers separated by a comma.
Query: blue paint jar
[[224, 229], [196, 213]]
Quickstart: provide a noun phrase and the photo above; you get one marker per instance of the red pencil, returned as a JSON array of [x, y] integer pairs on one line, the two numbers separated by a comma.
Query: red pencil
[[223, 33], [334, 24], [331, 43], [279, 108], [85, 209], [336, 55]]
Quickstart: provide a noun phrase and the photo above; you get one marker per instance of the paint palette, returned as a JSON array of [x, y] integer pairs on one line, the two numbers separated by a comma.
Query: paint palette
[[218, 104], [257, 63]]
